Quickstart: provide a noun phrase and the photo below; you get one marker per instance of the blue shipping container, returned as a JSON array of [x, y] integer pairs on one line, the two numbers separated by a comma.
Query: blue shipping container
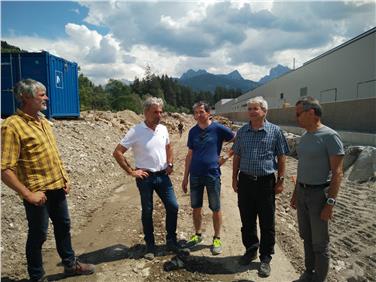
[[58, 75]]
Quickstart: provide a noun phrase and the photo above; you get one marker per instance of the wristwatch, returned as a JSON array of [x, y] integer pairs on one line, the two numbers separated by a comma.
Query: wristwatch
[[331, 201], [171, 165]]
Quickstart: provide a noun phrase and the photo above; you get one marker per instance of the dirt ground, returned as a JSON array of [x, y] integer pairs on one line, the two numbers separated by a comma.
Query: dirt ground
[[106, 227]]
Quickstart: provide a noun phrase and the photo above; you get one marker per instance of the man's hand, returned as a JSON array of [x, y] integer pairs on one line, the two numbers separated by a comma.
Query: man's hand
[[221, 161], [327, 213], [169, 170], [66, 188], [293, 201], [36, 198], [278, 188], [184, 184], [235, 184], [139, 173]]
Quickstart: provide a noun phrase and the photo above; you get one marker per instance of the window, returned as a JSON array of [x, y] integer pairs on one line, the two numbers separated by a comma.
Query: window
[[281, 96], [59, 79], [303, 91]]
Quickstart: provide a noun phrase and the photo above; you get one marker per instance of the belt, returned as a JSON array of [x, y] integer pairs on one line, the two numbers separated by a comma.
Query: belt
[[317, 186], [256, 177], [161, 172]]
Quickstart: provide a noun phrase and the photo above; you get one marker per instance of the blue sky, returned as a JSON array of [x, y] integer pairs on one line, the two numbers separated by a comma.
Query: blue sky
[[118, 39]]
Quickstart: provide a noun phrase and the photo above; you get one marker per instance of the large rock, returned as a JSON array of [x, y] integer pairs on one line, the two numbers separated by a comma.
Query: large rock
[[364, 168], [351, 155]]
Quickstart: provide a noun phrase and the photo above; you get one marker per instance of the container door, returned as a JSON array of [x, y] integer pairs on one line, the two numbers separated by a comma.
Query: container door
[[8, 105], [63, 87]]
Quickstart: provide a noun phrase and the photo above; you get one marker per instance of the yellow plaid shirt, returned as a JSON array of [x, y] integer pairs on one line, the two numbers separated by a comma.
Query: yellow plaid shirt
[[29, 149]]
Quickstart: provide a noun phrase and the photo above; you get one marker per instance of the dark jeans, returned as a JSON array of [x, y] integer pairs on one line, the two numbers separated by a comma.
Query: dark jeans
[[162, 185], [56, 208], [257, 198]]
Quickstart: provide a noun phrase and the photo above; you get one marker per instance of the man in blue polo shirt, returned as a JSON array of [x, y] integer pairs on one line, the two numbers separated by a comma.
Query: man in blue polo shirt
[[259, 150], [202, 163]]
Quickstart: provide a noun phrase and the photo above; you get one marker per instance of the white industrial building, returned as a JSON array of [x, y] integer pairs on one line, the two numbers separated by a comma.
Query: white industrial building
[[344, 73], [343, 79]]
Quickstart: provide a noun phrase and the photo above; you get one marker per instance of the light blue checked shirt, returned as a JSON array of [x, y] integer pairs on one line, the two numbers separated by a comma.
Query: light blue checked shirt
[[258, 149]]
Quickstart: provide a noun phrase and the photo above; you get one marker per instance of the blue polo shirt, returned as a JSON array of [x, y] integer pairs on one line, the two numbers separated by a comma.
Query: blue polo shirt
[[206, 146], [258, 149]]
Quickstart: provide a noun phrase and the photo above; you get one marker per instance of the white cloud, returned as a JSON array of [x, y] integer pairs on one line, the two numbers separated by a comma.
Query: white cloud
[[173, 37], [107, 52], [83, 36]]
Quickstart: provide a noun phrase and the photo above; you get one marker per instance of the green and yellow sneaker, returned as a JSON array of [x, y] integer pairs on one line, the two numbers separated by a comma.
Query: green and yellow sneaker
[[195, 239], [216, 248]]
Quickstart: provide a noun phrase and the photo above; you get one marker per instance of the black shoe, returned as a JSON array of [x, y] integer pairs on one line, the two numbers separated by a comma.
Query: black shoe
[[174, 246], [174, 264], [264, 269], [42, 279], [307, 276], [150, 252], [79, 268], [248, 257]]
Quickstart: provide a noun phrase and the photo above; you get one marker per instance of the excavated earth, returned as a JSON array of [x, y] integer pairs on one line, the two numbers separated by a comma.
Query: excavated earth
[[105, 212]]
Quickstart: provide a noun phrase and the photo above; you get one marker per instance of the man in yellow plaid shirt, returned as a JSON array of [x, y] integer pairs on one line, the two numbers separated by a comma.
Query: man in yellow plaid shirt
[[31, 166]]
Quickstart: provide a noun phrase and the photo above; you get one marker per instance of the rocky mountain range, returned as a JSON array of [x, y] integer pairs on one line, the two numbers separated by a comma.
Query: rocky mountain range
[[201, 80]]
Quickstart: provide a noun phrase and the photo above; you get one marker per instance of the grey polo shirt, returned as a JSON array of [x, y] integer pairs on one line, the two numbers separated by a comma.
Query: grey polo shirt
[[314, 151]]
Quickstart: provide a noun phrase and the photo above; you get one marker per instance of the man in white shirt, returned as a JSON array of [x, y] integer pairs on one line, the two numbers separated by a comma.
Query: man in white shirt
[[153, 155]]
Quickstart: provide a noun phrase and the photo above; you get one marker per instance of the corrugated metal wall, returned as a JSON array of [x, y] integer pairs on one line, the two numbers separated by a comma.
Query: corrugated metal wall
[[58, 75]]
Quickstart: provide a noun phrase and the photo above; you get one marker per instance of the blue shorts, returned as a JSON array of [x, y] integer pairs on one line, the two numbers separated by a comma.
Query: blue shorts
[[213, 188]]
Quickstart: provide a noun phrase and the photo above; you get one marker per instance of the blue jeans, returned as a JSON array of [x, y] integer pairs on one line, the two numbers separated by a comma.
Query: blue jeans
[[213, 188], [162, 185], [56, 208]]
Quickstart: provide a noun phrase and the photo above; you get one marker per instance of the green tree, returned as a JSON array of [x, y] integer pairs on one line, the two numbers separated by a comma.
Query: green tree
[[86, 90]]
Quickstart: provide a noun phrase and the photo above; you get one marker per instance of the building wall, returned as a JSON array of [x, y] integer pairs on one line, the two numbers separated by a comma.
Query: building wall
[[343, 74], [357, 116]]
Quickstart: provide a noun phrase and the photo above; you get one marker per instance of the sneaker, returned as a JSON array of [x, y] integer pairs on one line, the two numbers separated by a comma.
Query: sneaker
[[174, 246], [195, 239], [79, 268], [248, 257], [264, 269], [216, 248]]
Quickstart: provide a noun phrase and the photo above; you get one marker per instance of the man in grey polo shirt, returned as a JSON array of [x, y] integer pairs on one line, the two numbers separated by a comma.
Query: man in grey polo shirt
[[320, 153]]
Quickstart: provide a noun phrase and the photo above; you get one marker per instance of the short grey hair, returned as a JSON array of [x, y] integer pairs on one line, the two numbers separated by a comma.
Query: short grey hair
[[260, 101], [152, 101], [202, 103], [308, 103], [27, 87]]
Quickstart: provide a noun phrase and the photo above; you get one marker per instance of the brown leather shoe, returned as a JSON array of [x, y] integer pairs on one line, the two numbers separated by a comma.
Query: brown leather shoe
[[79, 268]]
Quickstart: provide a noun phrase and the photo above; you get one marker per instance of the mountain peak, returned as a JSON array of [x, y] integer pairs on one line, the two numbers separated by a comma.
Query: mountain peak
[[202, 80], [275, 72], [191, 73], [235, 75], [278, 70]]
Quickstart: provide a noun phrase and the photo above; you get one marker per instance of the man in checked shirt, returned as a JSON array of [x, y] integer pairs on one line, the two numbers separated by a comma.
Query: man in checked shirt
[[31, 166], [259, 151]]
